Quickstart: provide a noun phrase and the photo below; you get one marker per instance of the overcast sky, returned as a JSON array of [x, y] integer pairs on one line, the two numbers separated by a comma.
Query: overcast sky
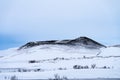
[[32, 20]]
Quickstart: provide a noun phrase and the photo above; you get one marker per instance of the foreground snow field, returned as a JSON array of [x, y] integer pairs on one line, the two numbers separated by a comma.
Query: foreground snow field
[[43, 62], [80, 58]]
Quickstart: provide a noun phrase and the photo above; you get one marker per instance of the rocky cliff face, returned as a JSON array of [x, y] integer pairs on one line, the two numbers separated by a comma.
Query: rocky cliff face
[[81, 41]]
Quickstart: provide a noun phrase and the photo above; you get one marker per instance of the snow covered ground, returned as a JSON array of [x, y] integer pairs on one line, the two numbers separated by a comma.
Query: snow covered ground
[[43, 62]]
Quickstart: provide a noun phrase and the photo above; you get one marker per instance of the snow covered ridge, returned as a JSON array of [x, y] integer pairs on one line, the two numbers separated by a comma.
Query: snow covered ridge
[[81, 41], [76, 59], [116, 45]]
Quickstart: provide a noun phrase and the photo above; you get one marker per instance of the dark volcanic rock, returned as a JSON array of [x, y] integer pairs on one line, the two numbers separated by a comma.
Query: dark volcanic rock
[[81, 41], [86, 42]]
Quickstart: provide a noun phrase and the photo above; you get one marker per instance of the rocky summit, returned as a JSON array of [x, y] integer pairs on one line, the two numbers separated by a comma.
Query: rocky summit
[[81, 41]]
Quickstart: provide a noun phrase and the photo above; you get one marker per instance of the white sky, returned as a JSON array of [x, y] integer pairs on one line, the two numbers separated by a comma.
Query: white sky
[[29, 20]]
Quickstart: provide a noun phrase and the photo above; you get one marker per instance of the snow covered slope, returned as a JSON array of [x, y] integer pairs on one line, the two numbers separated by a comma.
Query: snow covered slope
[[74, 62]]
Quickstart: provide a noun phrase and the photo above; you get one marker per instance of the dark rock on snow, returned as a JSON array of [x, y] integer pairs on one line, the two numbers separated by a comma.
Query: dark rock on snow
[[81, 41]]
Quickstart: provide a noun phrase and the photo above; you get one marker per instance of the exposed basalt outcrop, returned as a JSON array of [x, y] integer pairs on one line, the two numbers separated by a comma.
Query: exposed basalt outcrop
[[81, 41]]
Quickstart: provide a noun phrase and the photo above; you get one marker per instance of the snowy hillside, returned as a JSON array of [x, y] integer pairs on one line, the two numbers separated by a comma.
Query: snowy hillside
[[43, 61]]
